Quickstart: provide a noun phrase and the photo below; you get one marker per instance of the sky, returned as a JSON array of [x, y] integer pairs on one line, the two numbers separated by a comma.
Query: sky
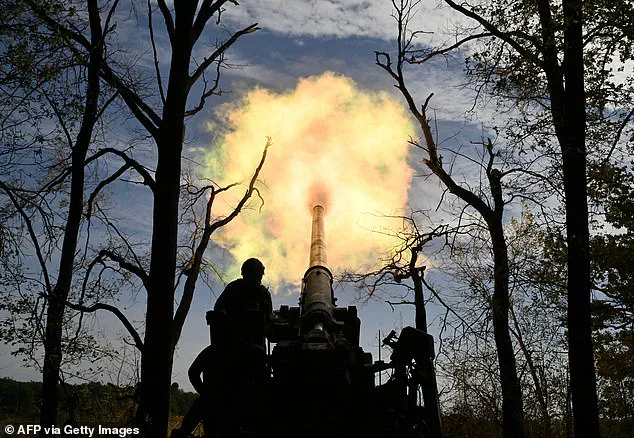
[[298, 41]]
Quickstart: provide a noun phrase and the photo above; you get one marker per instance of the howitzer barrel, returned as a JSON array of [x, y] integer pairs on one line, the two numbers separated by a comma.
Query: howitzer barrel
[[317, 300], [318, 239]]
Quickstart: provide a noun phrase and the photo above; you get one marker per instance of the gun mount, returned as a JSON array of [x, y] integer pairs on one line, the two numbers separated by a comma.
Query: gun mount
[[321, 382]]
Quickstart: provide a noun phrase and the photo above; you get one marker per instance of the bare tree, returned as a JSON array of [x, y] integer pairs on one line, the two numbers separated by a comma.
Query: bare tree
[[402, 263], [57, 287], [489, 206], [184, 26]]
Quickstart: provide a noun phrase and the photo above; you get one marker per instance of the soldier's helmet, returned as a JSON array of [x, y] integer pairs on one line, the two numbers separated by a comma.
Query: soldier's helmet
[[252, 269]]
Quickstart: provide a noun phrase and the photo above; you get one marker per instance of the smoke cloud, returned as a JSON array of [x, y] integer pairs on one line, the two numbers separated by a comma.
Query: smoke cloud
[[333, 144]]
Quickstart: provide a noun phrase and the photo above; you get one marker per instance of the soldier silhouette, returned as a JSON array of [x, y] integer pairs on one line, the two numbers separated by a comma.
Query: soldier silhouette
[[237, 355], [239, 302]]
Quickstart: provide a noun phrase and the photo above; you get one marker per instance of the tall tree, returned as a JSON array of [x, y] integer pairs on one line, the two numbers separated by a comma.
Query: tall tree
[[184, 30], [59, 294], [184, 26], [56, 287], [489, 205]]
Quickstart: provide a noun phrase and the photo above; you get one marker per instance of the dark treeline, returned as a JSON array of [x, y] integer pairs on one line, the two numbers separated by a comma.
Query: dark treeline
[[83, 404]]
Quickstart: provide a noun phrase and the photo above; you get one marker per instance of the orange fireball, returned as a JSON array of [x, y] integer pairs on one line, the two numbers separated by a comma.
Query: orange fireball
[[333, 144]]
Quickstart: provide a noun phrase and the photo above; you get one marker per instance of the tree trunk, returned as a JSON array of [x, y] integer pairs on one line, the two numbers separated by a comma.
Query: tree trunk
[[512, 406], [534, 372], [581, 357], [58, 296], [419, 299], [568, 108], [157, 358]]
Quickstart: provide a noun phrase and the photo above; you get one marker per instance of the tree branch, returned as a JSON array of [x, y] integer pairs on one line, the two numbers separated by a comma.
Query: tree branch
[[207, 93], [34, 240], [434, 53], [506, 37], [142, 111], [617, 137], [156, 63], [101, 306], [131, 267], [103, 184], [222, 222], [193, 268], [207, 9], [221, 49], [144, 114], [167, 17], [132, 163]]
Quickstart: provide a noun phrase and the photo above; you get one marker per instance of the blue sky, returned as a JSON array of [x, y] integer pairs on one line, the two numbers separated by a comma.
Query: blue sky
[[297, 39]]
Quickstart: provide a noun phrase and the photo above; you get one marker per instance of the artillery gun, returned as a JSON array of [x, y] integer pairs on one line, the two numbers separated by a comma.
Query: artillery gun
[[318, 380]]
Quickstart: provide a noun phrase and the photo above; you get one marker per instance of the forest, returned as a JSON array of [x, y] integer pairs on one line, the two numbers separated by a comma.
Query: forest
[[475, 161]]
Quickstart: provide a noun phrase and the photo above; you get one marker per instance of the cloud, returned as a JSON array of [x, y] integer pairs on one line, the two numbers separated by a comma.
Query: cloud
[[334, 18]]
